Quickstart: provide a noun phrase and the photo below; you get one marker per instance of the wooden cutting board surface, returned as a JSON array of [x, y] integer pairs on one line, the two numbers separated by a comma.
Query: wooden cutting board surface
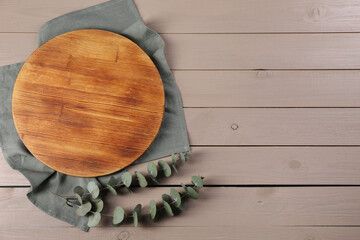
[[88, 103]]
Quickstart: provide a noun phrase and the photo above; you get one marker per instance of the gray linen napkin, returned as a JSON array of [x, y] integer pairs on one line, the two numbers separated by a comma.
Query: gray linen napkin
[[119, 16]]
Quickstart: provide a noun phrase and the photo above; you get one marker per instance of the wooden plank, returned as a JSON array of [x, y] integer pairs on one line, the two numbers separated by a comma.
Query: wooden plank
[[180, 233], [202, 16], [269, 88], [273, 126], [251, 165], [225, 207], [232, 51], [263, 51]]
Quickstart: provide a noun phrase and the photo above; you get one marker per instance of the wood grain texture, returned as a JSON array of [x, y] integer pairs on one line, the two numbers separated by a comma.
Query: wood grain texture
[[273, 126], [232, 51], [88, 103], [251, 165], [262, 88], [218, 207], [180, 233], [220, 36], [206, 16]]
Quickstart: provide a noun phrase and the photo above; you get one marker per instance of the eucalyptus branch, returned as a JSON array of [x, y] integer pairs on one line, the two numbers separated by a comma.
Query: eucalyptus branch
[[89, 203], [126, 177]]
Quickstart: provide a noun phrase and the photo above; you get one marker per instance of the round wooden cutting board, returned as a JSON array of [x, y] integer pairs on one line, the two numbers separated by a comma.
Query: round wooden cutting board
[[88, 103]]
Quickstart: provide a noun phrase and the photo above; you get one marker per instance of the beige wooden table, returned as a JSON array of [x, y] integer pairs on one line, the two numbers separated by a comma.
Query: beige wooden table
[[271, 92]]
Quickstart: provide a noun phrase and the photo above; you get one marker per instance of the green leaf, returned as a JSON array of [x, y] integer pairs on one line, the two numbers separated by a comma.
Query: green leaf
[[119, 215], [79, 198], [183, 204], [173, 158], [93, 188], [137, 209], [112, 181], [126, 178], [94, 219], [173, 164], [136, 221], [176, 196], [136, 213], [165, 167], [141, 179], [197, 181], [182, 157], [111, 189], [192, 193], [79, 190], [166, 198], [151, 167], [99, 206], [168, 209], [152, 209], [83, 209], [183, 186], [95, 199]]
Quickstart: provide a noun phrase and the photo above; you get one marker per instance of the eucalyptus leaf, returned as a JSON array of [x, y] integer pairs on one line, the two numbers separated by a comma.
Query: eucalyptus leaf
[[183, 204], [119, 215], [165, 167], [166, 198], [152, 169], [141, 179], [99, 206], [197, 181], [173, 164], [79, 190], [83, 209], [152, 209], [79, 198], [137, 209], [183, 186], [136, 213], [173, 158], [95, 199], [176, 196], [182, 157], [94, 219], [126, 179], [111, 189], [93, 188], [192, 193], [112, 181], [135, 217], [168, 209]]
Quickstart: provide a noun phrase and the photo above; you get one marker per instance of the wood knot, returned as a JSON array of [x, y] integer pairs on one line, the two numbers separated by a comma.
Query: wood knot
[[317, 13], [294, 164], [124, 235]]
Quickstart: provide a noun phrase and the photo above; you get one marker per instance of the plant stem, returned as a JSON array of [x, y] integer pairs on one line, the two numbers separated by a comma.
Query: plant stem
[[86, 194]]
